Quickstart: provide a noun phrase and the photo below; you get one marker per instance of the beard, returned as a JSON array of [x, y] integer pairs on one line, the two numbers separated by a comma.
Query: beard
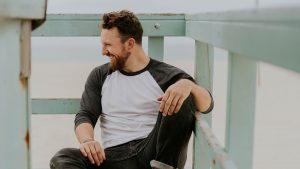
[[117, 62]]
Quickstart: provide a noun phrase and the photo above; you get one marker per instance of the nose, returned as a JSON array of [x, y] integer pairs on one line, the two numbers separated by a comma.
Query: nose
[[104, 51]]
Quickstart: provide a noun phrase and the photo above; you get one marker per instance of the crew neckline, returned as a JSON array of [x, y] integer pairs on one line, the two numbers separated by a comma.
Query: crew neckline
[[137, 72]]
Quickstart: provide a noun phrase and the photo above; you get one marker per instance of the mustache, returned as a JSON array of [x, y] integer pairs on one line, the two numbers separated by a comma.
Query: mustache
[[109, 54], [106, 53]]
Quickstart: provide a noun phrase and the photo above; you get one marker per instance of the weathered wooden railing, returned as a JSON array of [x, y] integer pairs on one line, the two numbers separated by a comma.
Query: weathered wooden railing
[[271, 36], [267, 35], [17, 19]]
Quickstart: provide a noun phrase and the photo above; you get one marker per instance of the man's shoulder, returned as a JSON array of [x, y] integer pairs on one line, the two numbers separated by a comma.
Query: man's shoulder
[[99, 73], [103, 69], [164, 67]]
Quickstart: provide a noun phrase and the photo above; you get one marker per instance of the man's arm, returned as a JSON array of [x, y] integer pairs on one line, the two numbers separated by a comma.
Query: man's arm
[[88, 146], [87, 116], [175, 95], [84, 132]]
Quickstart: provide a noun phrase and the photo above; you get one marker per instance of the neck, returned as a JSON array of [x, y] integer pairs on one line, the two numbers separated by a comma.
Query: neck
[[138, 60]]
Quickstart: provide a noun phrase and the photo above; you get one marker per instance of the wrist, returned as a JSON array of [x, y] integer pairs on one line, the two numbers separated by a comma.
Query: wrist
[[87, 140], [193, 87]]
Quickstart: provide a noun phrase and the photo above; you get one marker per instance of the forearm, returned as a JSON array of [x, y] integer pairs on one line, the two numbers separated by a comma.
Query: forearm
[[84, 131], [202, 98]]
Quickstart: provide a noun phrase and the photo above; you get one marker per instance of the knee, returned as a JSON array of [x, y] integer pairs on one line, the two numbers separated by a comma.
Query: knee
[[59, 158], [188, 106], [185, 117]]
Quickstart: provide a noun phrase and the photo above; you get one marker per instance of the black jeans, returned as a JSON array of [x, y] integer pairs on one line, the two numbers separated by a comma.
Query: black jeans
[[164, 148]]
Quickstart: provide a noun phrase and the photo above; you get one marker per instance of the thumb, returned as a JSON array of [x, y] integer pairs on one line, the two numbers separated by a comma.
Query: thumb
[[160, 98]]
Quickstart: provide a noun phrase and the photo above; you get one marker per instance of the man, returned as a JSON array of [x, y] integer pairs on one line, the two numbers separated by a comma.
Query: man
[[146, 107]]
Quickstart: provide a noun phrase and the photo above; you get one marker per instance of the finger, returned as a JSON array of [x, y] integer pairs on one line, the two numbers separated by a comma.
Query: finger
[[160, 98], [94, 154], [179, 104], [99, 153], [87, 150], [103, 154], [168, 104], [173, 105], [163, 101], [81, 148]]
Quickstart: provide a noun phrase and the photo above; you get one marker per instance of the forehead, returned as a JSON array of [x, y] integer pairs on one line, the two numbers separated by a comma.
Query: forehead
[[109, 35]]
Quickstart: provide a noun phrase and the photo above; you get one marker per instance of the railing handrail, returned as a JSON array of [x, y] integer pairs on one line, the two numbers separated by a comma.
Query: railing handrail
[[268, 35]]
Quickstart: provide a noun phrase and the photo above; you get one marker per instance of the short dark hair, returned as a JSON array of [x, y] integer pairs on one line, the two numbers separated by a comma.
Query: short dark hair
[[127, 24]]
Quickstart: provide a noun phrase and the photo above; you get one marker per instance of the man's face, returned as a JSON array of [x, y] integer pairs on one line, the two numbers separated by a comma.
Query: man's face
[[114, 48]]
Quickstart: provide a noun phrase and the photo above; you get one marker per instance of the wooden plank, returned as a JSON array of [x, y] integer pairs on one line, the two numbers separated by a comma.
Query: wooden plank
[[204, 77], [268, 36], [22, 9], [241, 110], [152, 16], [88, 25], [202, 158], [204, 68], [156, 48], [253, 15], [14, 99], [221, 159], [55, 106]]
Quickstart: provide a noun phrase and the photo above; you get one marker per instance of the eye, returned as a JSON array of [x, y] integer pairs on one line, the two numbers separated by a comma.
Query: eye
[[107, 44]]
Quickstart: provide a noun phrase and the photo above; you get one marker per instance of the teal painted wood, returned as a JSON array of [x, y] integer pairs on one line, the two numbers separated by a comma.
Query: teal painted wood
[[269, 39], [153, 16], [156, 48], [241, 110], [88, 25], [204, 77], [220, 159], [20, 9], [204, 68], [14, 100], [280, 14], [55, 106], [202, 157]]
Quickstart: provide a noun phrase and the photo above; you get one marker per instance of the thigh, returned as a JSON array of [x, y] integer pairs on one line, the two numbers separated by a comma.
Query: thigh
[[168, 140], [69, 158], [130, 163]]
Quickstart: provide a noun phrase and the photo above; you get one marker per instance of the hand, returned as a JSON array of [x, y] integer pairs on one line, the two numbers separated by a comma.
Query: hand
[[174, 96], [93, 151]]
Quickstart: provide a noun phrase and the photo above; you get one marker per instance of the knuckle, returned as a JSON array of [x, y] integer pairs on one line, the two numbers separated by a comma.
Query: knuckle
[[88, 151]]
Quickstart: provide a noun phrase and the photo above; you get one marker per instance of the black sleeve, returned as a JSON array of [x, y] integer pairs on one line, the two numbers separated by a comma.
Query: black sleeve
[[90, 104], [165, 75]]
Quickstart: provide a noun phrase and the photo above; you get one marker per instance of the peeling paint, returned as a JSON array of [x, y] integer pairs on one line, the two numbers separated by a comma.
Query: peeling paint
[[27, 139], [24, 81]]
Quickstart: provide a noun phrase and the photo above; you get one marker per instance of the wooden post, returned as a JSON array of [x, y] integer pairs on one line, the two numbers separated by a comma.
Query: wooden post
[[156, 48], [241, 110], [204, 77]]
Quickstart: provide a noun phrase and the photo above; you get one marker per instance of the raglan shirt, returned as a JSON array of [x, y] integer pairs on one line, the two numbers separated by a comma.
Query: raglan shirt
[[126, 102]]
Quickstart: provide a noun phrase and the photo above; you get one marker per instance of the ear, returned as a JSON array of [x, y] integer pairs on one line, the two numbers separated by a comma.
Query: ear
[[130, 43]]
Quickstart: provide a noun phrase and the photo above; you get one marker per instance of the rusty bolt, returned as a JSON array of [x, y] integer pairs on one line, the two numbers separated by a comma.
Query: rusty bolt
[[157, 26]]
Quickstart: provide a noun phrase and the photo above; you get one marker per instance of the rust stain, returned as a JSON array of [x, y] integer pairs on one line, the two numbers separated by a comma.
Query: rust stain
[[23, 80], [27, 139]]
